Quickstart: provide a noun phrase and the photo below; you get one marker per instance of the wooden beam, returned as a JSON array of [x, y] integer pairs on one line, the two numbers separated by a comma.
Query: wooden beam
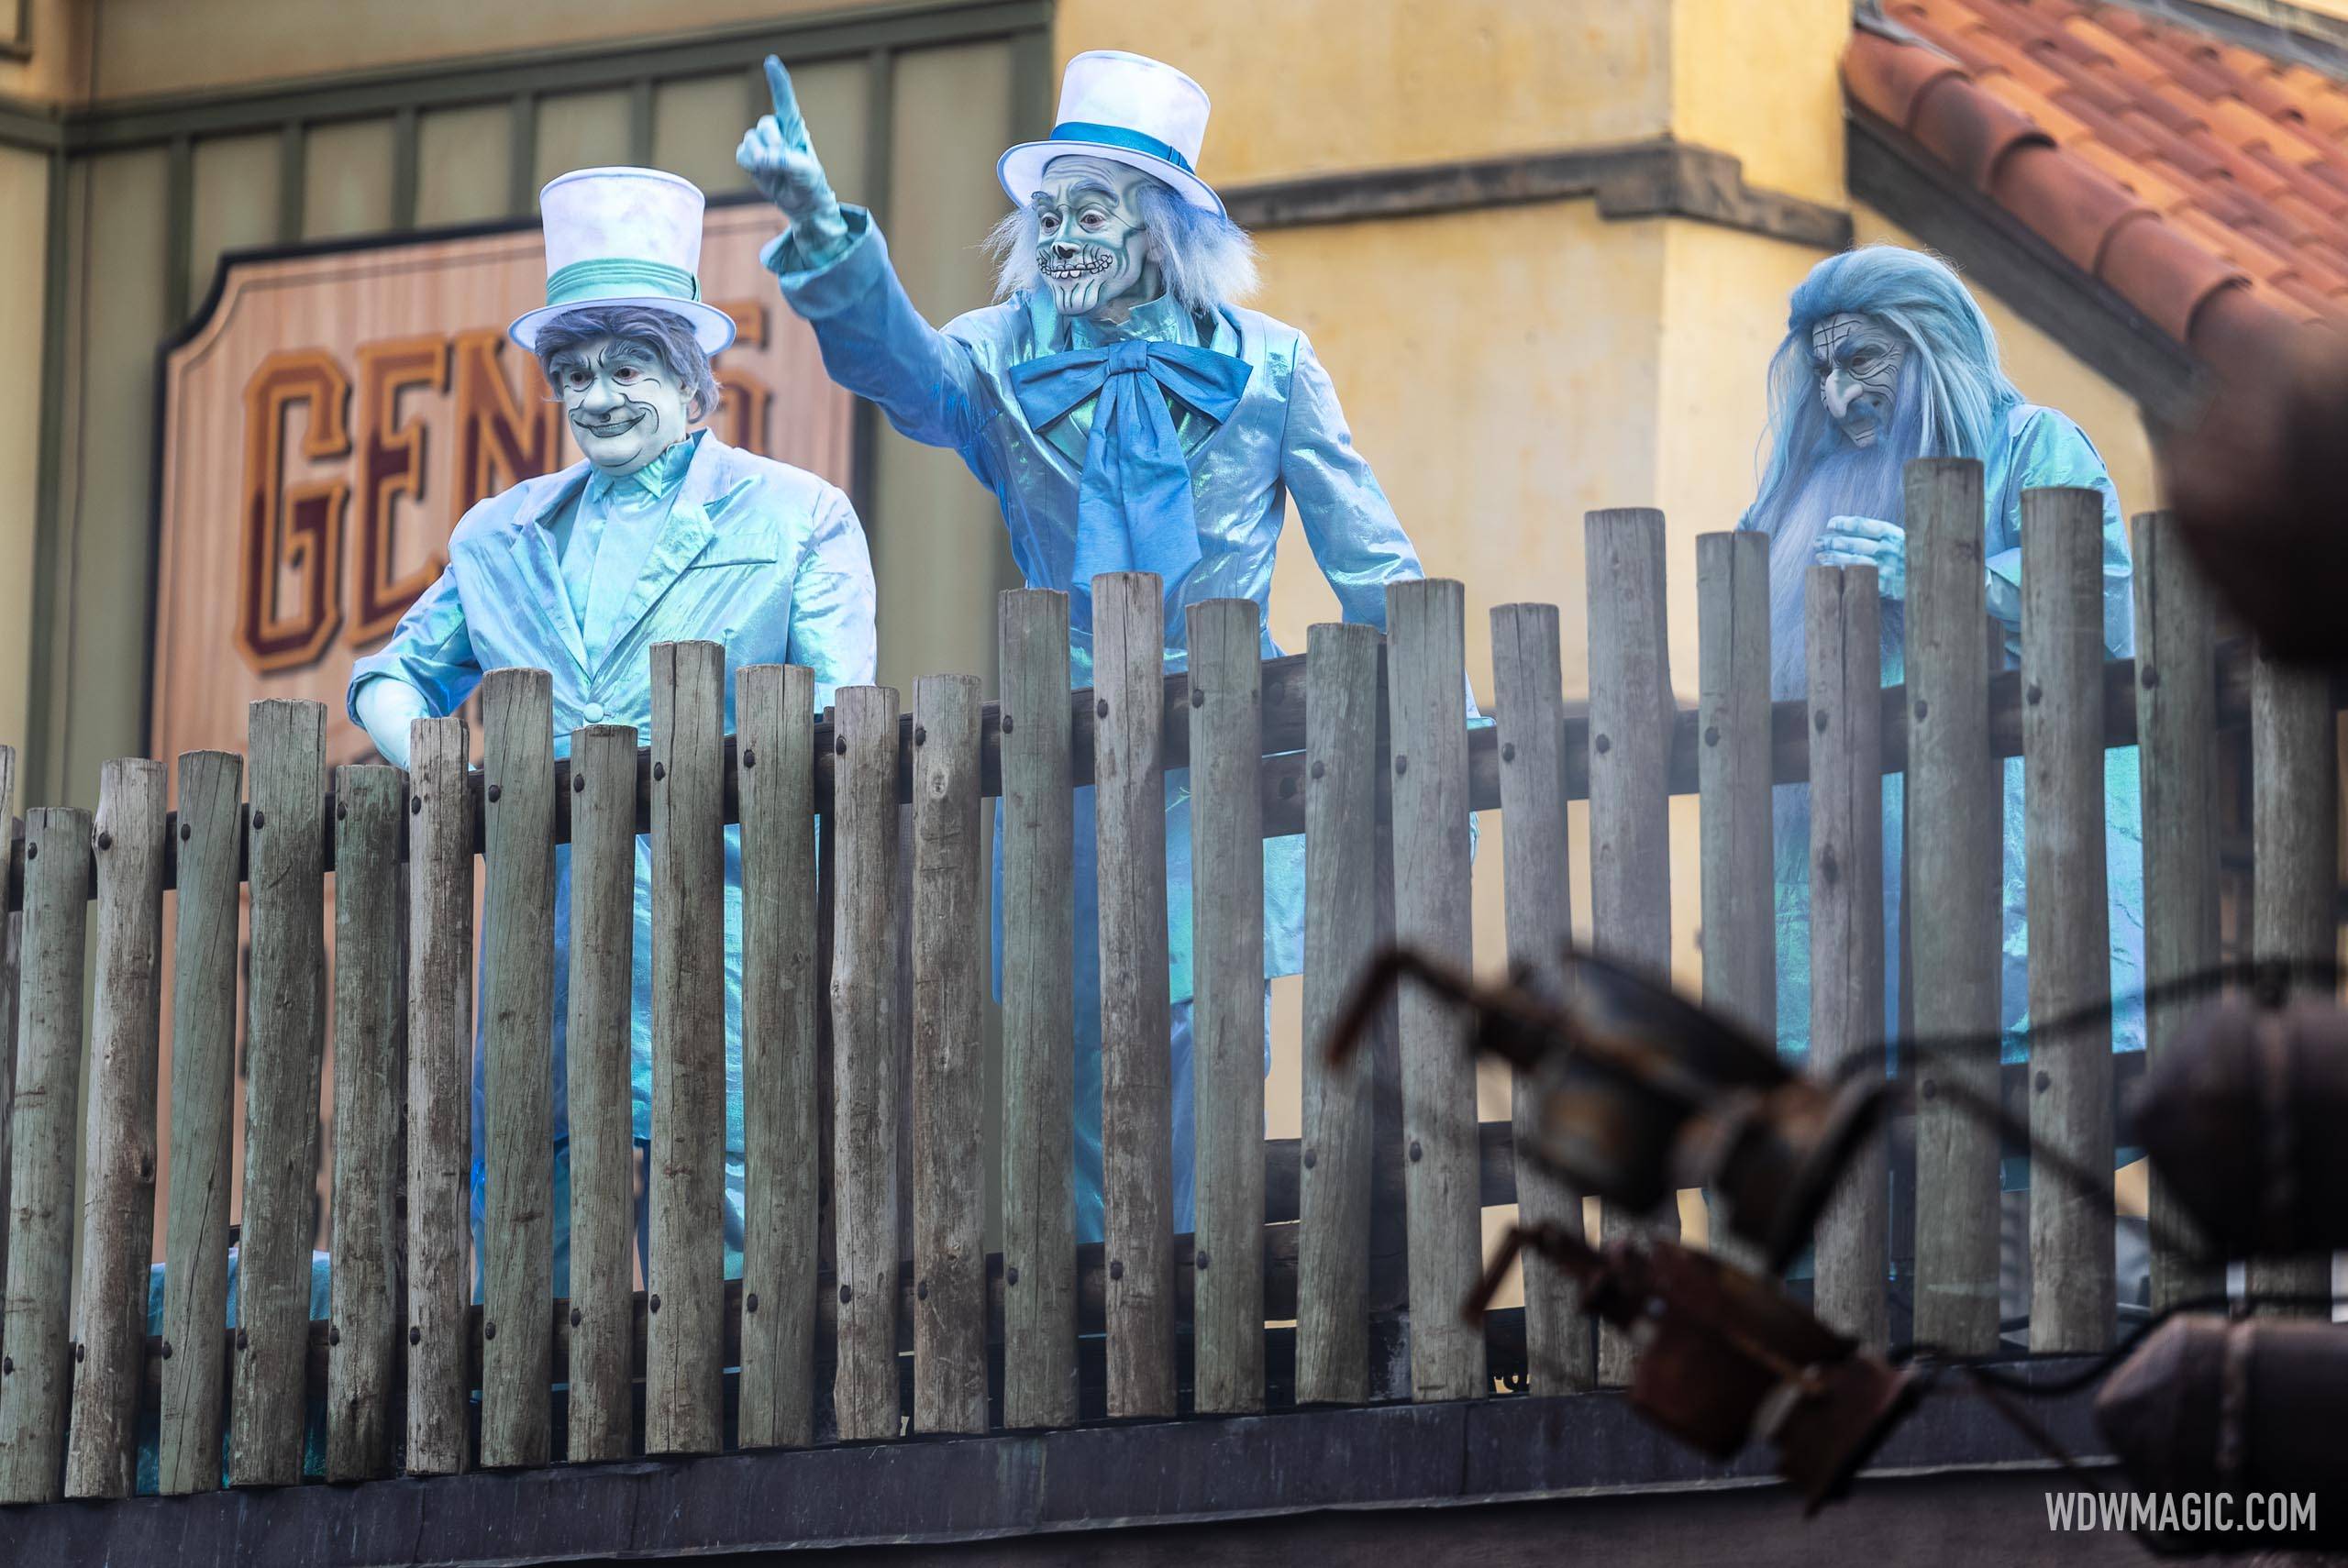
[[1282, 778], [1629, 180]]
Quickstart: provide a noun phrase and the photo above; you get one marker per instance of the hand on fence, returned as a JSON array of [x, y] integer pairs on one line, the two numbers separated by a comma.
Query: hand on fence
[[386, 708], [1867, 541]]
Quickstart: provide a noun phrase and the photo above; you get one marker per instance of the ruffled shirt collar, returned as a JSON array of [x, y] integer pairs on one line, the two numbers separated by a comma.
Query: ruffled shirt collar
[[1161, 320]]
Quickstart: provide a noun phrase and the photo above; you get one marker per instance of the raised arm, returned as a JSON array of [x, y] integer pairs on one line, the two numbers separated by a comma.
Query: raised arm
[[834, 268]]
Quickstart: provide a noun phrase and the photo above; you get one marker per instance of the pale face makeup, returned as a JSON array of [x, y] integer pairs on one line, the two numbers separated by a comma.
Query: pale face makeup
[[625, 407], [1093, 247], [1857, 359]]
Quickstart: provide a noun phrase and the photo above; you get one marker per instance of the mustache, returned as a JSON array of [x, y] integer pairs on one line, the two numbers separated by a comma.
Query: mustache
[[629, 412]]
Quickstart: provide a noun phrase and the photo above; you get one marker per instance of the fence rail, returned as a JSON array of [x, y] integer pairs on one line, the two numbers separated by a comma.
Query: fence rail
[[1363, 745]]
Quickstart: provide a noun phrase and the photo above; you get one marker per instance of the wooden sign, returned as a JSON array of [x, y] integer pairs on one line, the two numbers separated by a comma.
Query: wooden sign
[[334, 414]]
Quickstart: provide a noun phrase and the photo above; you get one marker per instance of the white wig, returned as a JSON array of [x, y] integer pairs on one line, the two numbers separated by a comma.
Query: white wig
[[1208, 260]]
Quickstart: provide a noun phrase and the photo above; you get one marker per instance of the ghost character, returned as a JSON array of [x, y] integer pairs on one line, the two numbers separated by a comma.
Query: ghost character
[[1886, 359], [1127, 414]]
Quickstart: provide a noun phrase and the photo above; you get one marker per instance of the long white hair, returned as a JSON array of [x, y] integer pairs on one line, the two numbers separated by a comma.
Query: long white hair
[[1209, 261]]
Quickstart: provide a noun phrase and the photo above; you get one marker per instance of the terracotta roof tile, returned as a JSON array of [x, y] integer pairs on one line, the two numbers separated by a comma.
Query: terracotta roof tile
[[2204, 182], [2150, 185]]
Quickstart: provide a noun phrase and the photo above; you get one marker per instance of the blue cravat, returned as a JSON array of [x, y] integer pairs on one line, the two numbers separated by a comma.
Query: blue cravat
[[1135, 510]]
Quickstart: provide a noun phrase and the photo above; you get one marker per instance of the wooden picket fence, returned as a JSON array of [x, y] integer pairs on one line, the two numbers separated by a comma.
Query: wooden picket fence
[[1362, 744]]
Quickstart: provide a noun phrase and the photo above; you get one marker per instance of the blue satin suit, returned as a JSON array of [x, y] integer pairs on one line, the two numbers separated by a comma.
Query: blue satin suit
[[1284, 438]]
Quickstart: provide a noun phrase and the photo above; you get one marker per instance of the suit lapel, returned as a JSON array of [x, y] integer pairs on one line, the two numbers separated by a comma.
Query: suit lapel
[[531, 553], [684, 536]]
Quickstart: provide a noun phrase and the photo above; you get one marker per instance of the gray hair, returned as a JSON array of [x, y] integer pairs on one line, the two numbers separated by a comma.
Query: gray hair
[[667, 334], [1209, 261]]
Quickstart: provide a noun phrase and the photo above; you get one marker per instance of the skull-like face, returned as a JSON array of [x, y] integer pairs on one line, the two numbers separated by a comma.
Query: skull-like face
[[624, 406], [1091, 245], [1857, 359]]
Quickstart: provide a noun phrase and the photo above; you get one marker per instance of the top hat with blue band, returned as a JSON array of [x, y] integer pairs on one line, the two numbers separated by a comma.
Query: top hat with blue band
[[1126, 108], [624, 236]]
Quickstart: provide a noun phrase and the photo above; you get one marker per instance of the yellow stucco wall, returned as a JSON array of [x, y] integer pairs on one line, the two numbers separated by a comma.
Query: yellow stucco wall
[[1307, 85], [56, 65], [1760, 80]]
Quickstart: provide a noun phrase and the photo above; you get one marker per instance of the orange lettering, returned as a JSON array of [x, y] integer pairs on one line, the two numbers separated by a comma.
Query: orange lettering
[[391, 465], [292, 527], [497, 432], [746, 399]]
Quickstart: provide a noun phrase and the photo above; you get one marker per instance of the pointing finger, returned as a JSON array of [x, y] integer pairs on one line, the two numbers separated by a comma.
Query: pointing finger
[[789, 123]]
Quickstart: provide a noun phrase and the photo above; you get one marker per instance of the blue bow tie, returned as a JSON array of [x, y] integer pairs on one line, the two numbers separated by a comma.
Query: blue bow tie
[[1135, 510]]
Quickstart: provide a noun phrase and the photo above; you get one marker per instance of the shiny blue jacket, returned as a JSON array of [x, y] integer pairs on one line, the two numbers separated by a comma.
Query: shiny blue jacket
[[1287, 438], [765, 558]]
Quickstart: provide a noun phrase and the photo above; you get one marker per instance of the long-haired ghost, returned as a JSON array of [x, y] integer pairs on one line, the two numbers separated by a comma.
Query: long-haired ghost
[[1887, 358]]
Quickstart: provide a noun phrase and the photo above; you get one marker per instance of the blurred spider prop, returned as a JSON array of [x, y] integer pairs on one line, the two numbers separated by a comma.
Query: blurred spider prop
[[1639, 1093], [1724, 1357], [2256, 483], [1642, 1093]]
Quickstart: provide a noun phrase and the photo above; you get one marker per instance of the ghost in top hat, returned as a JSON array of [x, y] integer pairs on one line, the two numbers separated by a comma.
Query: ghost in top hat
[[664, 534], [1128, 414]]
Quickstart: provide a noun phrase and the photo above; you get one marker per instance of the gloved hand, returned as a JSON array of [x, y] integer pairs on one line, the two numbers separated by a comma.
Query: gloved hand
[[780, 161], [1869, 541], [386, 707]]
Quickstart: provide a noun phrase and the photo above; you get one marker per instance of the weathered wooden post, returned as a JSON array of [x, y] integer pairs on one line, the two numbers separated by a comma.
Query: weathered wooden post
[[1137, 1105], [2177, 747], [1225, 637], [2071, 1263], [599, 1045], [1426, 692], [685, 1288], [12, 927], [1630, 716], [284, 1050], [2294, 877], [1954, 834], [517, 921], [950, 1182], [1528, 690], [1732, 774], [34, 1324], [1737, 844], [864, 1170], [204, 1066], [774, 710], [1341, 866], [119, 1188], [1843, 639], [440, 1115], [370, 1009], [1036, 821]]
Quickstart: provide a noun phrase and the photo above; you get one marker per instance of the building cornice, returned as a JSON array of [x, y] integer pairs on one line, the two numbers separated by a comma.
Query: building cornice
[[1660, 177]]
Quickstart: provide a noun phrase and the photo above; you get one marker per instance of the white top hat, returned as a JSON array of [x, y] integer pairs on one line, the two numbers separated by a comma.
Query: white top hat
[[624, 236], [1129, 109]]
